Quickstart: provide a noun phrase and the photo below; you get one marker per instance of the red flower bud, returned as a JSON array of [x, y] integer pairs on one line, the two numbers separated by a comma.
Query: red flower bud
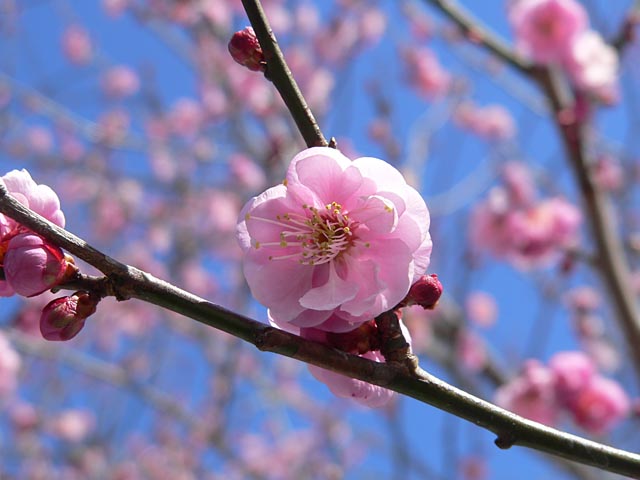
[[64, 317], [425, 292], [246, 50]]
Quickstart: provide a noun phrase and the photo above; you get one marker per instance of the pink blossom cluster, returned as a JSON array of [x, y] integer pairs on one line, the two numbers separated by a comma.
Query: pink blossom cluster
[[30, 264], [491, 122], [335, 245], [571, 384], [557, 32], [511, 223]]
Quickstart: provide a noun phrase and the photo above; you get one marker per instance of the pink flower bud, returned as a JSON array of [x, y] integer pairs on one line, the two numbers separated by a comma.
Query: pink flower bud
[[246, 50], [426, 292], [64, 317], [32, 265]]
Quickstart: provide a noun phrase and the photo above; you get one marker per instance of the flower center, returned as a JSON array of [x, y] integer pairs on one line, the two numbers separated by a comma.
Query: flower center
[[320, 236]]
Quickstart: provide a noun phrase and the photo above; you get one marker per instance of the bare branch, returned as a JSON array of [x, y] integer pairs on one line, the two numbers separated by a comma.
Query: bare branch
[[280, 75]]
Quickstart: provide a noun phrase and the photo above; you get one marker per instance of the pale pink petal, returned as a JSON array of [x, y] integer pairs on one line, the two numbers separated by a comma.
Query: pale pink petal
[[332, 294]]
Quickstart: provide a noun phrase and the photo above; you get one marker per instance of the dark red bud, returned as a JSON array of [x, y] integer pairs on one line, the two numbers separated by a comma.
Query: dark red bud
[[425, 292], [246, 50]]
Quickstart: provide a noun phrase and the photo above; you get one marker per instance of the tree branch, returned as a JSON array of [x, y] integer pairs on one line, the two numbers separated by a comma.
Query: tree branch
[[481, 35], [279, 74], [129, 282], [611, 261]]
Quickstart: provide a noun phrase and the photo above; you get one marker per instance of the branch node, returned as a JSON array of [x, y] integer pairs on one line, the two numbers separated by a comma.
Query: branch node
[[505, 441]]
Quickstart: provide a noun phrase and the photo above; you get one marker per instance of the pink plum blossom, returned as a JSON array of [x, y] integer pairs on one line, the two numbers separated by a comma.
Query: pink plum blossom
[[335, 245], [531, 394], [545, 29], [39, 198], [529, 237], [32, 265], [593, 66], [600, 405], [572, 372]]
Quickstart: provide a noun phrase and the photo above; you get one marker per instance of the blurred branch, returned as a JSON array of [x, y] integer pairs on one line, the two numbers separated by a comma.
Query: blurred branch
[[406, 377], [626, 35], [610, 248], [480, 34], [279, 74]]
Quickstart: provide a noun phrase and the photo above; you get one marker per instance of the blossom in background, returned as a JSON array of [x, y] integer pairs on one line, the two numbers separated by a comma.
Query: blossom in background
[[76, 45], [545, 29], [338, 243], [528, 232], [120, 81], [557, 32], [569, 383], [593, 66]]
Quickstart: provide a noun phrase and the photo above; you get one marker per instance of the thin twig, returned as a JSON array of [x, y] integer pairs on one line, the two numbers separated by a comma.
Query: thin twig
[[280, 75], [481, 35], [511, 429]]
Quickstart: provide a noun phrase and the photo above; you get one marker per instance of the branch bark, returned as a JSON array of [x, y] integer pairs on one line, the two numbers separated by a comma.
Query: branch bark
[[129, 282], [279, 74]]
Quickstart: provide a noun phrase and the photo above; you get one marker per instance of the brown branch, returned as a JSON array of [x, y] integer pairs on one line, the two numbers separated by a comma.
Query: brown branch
[[280, 75], [481, 35], [129, 282], [611, 261], [626, 35]]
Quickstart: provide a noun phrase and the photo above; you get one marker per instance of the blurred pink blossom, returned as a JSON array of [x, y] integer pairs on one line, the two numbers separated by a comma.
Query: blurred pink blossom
[[425, 73], [600, 405], [492, 122], [572, 370], [9, 366], [32, 265], [481, 309], [337, 243], [471, 350], [519, 183], [545, 29], [76, 45], [593, 66], [609, 174], [39, 140], [528, 237], [120, 81], [72, 425], [247, 173], [531, 394], [186, 117], [115, 8]]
